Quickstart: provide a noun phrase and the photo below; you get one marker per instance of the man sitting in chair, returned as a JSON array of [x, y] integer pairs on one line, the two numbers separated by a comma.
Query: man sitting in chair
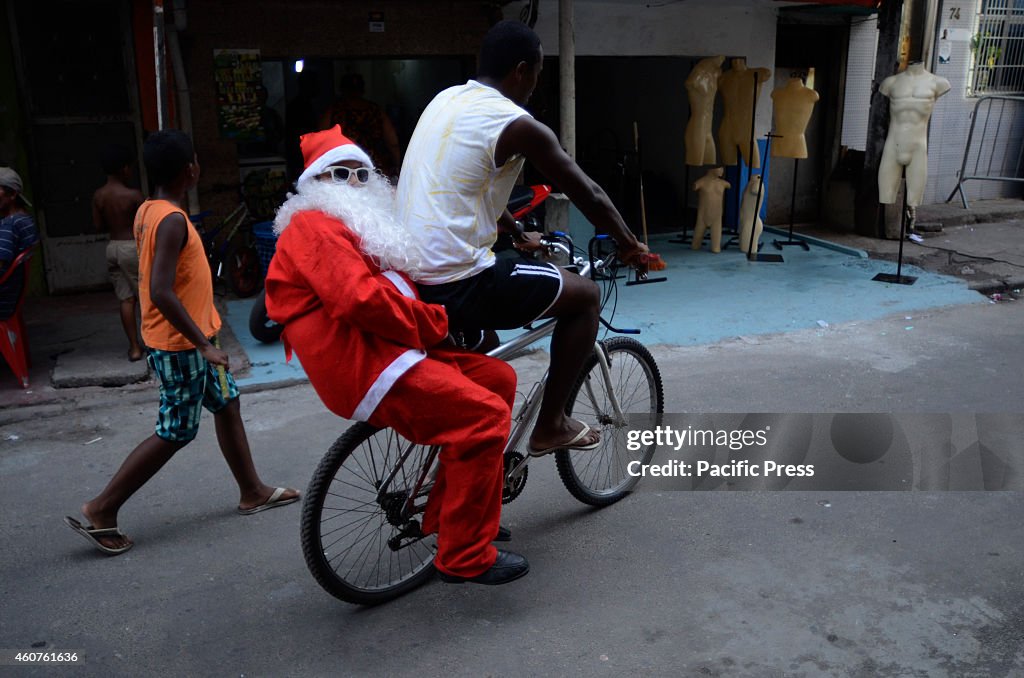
[[17, 233], [341, 283]]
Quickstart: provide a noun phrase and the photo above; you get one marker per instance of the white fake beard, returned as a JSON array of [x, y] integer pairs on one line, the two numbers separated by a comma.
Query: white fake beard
[[367, 210]]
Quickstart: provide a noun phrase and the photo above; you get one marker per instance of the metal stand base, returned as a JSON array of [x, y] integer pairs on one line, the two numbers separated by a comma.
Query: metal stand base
[[766, 258], [779, 244], [896, 279]]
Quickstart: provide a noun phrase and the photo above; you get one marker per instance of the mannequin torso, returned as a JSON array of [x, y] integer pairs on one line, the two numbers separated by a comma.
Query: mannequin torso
[[912, 96], [738, 94], [794, 104], [701, 87], [710, 190]]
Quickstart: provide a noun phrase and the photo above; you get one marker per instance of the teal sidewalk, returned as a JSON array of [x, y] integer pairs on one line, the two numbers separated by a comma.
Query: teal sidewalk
[[711, 297]]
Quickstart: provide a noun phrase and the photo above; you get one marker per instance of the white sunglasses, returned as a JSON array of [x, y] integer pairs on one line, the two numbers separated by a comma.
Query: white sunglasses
[[341, 174]]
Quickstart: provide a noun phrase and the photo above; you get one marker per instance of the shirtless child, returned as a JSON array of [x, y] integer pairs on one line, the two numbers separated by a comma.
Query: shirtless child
[[113, 210]]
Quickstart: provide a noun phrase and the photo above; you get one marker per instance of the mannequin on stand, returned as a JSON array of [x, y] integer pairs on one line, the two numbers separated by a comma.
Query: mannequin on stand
[[794, 104], [710, 190], [912, 94], [701, 88], [738, 95], [753, 197]]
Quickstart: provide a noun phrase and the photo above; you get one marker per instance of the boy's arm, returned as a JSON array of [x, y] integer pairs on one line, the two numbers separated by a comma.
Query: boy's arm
[[171, 235]]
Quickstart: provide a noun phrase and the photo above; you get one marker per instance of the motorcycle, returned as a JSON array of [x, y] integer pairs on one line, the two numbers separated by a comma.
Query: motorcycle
[[526, 204]]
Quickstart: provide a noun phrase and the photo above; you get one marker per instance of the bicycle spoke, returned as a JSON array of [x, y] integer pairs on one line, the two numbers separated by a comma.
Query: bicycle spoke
[[352, 526], [600, 476]]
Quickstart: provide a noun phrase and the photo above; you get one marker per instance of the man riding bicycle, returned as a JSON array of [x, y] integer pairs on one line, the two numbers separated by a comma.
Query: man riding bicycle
[[463, 159], [340, 283]]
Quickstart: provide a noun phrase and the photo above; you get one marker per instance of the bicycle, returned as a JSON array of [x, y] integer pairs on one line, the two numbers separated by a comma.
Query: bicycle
[[231, 251], [360, 535]]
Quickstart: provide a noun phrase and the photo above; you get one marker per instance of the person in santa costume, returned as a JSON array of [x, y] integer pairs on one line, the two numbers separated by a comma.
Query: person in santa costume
[[341, 283]]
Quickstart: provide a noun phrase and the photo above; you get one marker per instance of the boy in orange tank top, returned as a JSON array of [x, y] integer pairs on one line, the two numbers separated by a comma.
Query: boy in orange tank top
[[179, 323]]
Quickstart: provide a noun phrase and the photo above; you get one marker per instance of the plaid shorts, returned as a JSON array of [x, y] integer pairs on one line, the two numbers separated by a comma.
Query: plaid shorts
[[188, 383]]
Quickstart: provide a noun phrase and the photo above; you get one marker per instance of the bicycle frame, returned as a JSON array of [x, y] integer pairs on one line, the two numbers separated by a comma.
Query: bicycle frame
[[526, 414]]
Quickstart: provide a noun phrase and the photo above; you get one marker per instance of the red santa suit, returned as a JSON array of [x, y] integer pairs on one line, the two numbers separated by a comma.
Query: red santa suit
[[366, 342]]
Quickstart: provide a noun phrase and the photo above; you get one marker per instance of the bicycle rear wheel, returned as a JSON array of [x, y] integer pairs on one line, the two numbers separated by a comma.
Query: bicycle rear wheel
[[360, 544], [599, 477]]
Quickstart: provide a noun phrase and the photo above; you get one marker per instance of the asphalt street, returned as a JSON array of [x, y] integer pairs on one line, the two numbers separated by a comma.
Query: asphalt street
[[663, 583]]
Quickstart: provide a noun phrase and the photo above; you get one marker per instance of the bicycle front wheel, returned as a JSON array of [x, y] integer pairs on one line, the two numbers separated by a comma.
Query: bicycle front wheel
[[359, 543], [599, 477]]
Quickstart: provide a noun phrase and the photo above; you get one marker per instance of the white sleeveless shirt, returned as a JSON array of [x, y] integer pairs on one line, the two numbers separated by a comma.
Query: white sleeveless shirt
[[450, 193]]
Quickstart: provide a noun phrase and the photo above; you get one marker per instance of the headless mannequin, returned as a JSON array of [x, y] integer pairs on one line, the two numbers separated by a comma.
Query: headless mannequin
[[738, 93], [912, 96], [710, 190], [701, 87], [748, 208], [794, 104]]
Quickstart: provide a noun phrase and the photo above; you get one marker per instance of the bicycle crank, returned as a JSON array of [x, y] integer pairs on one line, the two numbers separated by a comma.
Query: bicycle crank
[[411, 531], [516, 471]]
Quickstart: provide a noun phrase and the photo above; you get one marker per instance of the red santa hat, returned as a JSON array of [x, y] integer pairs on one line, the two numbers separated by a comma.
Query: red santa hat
[[321, 150]]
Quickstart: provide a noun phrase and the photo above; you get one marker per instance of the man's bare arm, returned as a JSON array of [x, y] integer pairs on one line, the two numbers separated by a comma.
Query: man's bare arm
[[540, 146]]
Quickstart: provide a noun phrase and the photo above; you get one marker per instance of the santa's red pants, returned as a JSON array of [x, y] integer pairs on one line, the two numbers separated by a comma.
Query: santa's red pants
[[461, 401]]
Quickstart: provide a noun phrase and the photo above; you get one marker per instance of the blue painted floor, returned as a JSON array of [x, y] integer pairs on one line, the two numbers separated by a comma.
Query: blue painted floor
[[710, 297]]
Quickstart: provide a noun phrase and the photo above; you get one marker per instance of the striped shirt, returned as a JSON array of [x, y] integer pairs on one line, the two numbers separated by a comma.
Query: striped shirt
[[17, 233]]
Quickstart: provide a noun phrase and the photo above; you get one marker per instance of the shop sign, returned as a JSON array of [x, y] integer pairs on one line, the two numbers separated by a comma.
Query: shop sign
[[237, 74]]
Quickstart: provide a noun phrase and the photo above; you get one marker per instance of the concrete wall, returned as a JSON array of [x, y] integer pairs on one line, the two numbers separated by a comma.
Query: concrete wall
[[733, 28], [335, 29]]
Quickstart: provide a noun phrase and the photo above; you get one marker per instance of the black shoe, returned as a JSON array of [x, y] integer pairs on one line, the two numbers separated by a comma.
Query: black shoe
[[508, 567], [504, 534]]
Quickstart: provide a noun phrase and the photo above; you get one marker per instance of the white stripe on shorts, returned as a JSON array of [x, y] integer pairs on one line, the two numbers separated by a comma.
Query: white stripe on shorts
[[543, 271]]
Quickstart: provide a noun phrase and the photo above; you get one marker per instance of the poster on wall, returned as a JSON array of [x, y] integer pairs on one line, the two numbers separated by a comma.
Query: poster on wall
[[237, 74]]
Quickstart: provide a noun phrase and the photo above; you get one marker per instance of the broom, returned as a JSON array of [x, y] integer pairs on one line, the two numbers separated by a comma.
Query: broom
[[653, 261]]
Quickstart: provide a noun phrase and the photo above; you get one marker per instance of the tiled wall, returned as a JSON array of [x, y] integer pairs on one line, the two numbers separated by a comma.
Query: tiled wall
[[995, 148]]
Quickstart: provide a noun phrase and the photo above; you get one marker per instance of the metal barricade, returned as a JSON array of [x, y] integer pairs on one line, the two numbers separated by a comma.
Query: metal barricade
[[1000, 141]]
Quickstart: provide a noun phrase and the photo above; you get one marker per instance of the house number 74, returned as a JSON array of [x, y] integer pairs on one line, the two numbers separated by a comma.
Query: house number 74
[[954, 13]]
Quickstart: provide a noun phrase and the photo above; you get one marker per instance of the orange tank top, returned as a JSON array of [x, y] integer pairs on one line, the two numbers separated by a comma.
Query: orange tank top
[[193, 284]]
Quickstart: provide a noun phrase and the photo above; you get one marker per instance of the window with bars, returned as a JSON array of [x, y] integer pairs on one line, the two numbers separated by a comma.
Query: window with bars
[[997, 49]]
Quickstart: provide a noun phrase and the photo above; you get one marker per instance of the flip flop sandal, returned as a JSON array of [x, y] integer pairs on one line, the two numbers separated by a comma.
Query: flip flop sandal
[[569, 445], [94, 534], [273, 502]]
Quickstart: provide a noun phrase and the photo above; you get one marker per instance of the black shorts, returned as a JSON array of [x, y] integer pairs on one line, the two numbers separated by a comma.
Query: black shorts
[[512, 293]]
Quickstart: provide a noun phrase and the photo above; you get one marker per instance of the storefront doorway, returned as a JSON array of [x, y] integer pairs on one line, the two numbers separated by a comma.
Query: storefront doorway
[[77, 80]]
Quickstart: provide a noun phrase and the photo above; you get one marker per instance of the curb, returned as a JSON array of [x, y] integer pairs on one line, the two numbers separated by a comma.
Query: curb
[[994, 285], [63, 404]]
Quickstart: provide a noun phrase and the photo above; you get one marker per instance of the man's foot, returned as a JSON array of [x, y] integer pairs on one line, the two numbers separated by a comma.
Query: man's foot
[[134, 354], [267, 498], [573, 435], [507, 567], [100, 530]]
